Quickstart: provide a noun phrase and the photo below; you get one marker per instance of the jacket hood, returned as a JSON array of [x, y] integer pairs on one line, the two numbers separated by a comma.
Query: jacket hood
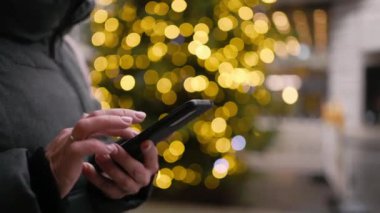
[[35, 20]]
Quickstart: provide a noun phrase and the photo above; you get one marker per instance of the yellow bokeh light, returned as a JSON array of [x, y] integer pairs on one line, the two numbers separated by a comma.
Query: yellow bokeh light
[[133, 39], [186, 29], [169, 98], [218, 125], [201, 37], [161, 9], [230, 51], [232, 108], [163, 181], [162, 147], [100, 16], [269, 1], [169, 157], [202, 27], [127, 82], [290, 95], [245, 13], [223, 145], [98, 38], [147, 23], [111, 25], [238, 43], [172, 31], [179, 173], [225, 67], [192, 47], [179, 5], [157, 51], [176, 148], [251, 58], [212, 64], [267, 55], [219, 172], [164, 85], [100, 63], [212, 89], [203, 52], [126, 61], [149, 7], [261, 26], [225, 24]]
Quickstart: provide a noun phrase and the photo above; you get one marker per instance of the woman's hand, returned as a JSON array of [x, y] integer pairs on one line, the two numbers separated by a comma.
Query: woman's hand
[[126, 178], [67, 151]]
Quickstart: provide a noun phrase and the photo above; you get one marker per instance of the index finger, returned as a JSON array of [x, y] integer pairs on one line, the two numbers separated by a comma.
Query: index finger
[[90, 125], [137, 116]]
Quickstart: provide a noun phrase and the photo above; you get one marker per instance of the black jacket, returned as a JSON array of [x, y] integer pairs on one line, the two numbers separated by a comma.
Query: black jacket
[[42, 91]]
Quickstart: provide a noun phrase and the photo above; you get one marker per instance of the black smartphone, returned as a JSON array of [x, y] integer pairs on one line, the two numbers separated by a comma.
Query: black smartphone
[[161, 129]]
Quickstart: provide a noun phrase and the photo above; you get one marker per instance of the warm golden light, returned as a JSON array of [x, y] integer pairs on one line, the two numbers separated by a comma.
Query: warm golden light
[[100, 16], [127, 82], [179, 5], [133, 39], [172, 31], [98, 38], [164, 85], [245, 13], [218, 125], [290, 95]]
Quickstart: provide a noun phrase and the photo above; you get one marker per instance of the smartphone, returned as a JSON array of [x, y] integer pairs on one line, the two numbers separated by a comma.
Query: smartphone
[[164, 127]]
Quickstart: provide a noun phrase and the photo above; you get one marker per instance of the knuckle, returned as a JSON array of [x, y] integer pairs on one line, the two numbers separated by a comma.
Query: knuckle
[[145, 181], [134, 189]]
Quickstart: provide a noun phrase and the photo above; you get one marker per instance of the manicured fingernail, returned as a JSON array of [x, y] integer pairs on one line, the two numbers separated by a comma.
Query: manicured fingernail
[[126, 119], [140, 115]]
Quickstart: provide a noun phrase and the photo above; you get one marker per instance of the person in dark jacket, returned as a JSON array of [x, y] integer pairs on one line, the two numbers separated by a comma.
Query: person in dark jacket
[[49, 122]]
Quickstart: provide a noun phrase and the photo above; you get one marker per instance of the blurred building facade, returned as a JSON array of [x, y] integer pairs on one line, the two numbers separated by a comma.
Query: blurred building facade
[[342, 140], [351, 145]]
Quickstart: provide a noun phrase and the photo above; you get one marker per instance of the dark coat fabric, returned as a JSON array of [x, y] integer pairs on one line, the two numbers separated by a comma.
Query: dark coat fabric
[[42, 91]]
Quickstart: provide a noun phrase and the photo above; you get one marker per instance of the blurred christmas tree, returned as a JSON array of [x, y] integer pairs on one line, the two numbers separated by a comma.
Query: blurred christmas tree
[[155, 55]]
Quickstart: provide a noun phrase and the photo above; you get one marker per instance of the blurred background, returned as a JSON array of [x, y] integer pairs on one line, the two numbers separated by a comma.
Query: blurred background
[[296, 91]]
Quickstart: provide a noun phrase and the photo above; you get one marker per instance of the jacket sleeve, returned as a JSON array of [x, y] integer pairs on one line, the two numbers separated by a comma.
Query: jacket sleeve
[[25, 190]]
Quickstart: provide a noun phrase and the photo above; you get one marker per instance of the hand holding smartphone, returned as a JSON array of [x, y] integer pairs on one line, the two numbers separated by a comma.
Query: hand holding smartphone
[[179, 117]]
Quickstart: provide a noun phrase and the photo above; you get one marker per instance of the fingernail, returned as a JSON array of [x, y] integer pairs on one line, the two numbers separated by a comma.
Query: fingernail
[[111, 148], [84, 115], [134, 133], [145, 146], [140, 114], [126, 119]]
